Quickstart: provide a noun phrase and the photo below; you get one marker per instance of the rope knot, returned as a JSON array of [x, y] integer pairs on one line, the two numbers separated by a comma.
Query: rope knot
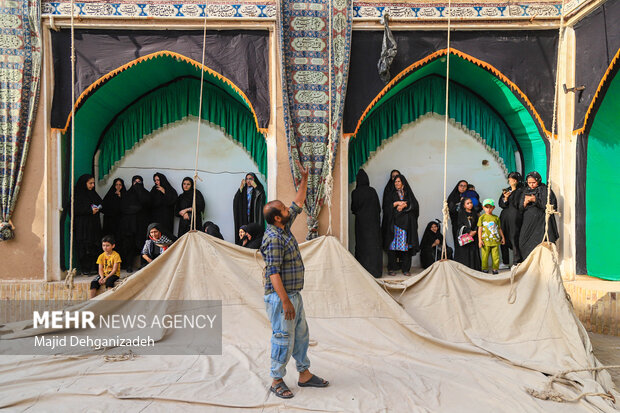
[[7, 230], [313, 228], [549, 210]]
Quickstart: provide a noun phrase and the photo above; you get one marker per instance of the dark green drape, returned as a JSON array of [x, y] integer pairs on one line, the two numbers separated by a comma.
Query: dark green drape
[[172, 103], [428, 96], [603, 158]]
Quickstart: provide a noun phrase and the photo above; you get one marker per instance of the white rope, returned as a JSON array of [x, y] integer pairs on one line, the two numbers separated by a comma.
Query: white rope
[[71, 273], [329, 179], [202, 77], [549, 211], [446, 215], [549, 393]]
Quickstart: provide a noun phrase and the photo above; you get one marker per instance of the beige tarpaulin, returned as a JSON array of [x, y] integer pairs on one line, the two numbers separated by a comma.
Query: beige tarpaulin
[[457, 345]]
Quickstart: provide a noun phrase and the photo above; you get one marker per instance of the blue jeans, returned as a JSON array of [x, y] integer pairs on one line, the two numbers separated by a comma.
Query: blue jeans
[[288, 337]]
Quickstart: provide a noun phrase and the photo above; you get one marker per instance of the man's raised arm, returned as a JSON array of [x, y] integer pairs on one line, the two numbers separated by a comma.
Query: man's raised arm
[[300, 198]]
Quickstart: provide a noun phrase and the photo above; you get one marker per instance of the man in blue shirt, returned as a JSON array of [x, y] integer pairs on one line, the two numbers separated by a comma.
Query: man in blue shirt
[[284, 279]]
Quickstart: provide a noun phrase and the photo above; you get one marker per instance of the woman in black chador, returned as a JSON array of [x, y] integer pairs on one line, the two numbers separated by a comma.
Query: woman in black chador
[[454, 203], [510, 217], [532, 204], [253, 236], [400, 238], [248, 203], [86, 224], [467, 222], [431, 244], [163, 198], [112, 211], [212, 229], [365, 206], [183, 207], [135, 207]]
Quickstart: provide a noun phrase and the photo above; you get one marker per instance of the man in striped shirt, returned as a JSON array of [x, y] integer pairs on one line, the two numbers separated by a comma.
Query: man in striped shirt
[[284, 279]]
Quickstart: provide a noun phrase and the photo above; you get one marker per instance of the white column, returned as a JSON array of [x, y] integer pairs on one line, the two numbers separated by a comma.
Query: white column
[[564, 157], [272, 161], [343, 152]]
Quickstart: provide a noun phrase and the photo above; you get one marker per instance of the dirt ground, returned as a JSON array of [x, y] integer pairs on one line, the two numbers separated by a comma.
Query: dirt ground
[[607, 351]]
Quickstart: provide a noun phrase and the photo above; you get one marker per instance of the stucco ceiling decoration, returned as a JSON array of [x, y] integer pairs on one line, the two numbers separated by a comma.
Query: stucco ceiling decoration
[[424, 10]]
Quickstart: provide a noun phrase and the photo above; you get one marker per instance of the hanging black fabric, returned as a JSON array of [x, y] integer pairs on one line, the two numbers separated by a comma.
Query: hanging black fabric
[[505, 50], [243, 214], [240, 55], [597, 39], [367, 210], [389, 49]]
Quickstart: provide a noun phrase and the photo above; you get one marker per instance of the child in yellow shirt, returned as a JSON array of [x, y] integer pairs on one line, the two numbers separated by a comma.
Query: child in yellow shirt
[[490, 236], [109, 266]]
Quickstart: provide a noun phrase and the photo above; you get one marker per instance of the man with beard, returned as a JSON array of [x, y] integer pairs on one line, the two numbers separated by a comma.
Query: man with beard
[[284, 280]]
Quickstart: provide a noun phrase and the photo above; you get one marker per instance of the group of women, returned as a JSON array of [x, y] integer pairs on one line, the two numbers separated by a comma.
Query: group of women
[[398, 229], [522, 220], [127, 213]]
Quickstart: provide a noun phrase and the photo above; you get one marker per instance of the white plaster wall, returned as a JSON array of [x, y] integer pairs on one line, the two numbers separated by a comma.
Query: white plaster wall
[[222, 164], [417, 152]]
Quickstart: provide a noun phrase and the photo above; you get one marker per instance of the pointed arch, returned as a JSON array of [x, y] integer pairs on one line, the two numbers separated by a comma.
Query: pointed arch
[[598, 155], [495, 90]]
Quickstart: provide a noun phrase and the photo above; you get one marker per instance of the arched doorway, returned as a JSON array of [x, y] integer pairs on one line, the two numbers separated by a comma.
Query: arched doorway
[[483, 103], [116, 112]]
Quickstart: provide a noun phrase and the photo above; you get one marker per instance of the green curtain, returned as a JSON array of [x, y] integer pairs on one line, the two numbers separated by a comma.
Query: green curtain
[[172, 103], [428, 96], [602, 225]]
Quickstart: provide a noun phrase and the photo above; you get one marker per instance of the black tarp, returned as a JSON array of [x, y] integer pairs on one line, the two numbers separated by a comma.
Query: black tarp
[[240, 55], [527, 58], [597, 39]]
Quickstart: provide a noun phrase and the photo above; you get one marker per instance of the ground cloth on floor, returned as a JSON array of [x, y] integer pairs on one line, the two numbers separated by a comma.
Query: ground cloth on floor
[[455, 344]]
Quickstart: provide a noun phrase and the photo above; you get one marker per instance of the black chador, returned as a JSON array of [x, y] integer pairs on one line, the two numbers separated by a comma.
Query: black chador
[[431, 244], [135, 208], [86, 224], [511, 218], [163, 198], [533, 226], [365, 206], [400, 232], [468, 254], [454, 203], [112, 210], [185, 202], [248, 203], [212, 229]]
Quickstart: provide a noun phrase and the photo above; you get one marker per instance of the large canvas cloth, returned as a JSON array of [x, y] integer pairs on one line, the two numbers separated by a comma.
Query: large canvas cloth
[[315, 39], [20, 68], [457, 345]]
